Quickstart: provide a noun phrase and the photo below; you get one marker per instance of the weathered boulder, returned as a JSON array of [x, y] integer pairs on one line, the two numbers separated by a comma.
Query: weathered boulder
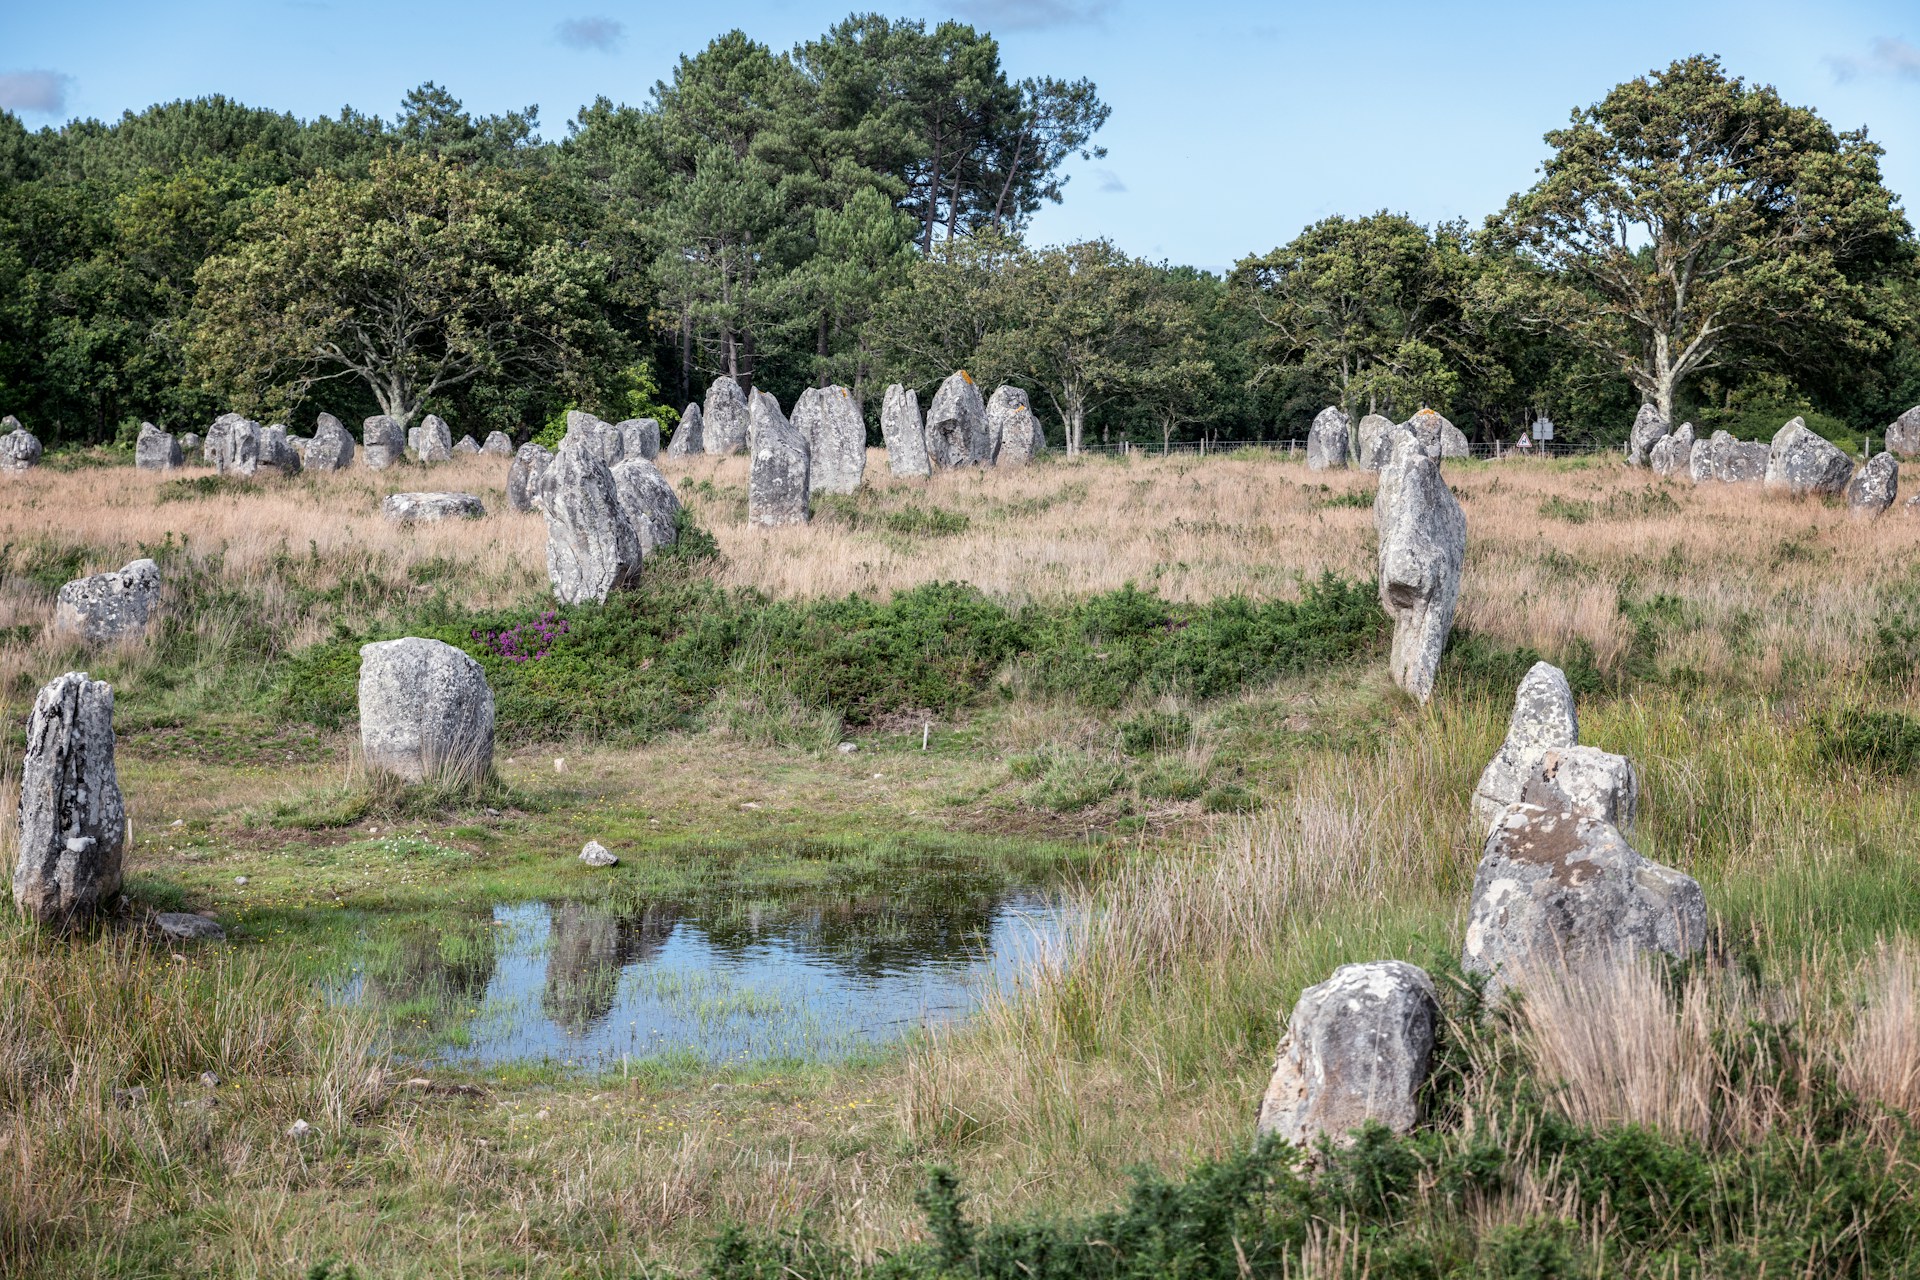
[[276, 452], [233, 445], [1327, 440], [777, 484], [1014, 428], [426, 713], [109, 606], [602, 436], [1440, 438], [1648, 428], [687, 437], [640, 436], [957, 424], [530, 462], [1903, 436], [1558, 891], [1543, 718], [904, 432], [1874, 486], [595, 854], [592, 549], [1374, 441], [425, 508], [725, 419], [189, 443], [331, 448], [499, 444], [1722, 459], [1800, 463], [73, 825], [829, 421], [383, 442], [1671, 453], [19, 448], [432, 440], [185, 926], [156, 450], [650, 504], [1585, 782], [299, 446], [1356, 1051], [467, 447], [1423, 546], [9, 423]]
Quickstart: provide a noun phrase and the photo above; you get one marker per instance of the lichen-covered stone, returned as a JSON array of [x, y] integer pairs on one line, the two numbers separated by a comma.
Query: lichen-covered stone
[[640, 436], [651, 506], [1721, 459], [1648, 429], [73, 824], [592, 549], [1327, 440], [233, 445], [1374, 441], [1874, 486], [1423, 547], [19, 448], [383, 442], [724, 421], [688, 438], [156, 450], [1356, 1051], [1014, 427], [1585, 782], [109, 606], [432, 440], [1671, 453], [1543, 718], [466, 447], [277, 453], [777, 484], [426, 508], [957, 424], [1801, 463], [331, 448], [829, 421], [426, 713], [1903, 435], [904, 432], [1439, 437], [497, 444], [530, 462]]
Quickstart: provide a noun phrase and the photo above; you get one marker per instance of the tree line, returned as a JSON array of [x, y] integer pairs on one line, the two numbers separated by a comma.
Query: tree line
[[854, 211]]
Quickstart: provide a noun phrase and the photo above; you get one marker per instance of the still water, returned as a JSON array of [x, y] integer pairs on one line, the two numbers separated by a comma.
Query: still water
[[589, 985]]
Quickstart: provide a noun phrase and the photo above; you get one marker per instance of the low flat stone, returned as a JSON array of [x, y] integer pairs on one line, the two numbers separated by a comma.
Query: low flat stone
[[109, 606], [415, 508], [184, 926]]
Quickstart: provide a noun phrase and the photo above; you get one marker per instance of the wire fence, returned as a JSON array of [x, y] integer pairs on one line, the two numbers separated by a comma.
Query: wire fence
[[1298, 448]]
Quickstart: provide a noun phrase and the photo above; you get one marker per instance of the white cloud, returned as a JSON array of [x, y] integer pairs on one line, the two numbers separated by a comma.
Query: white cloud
[[1891, 56], [1109, 180], [1034, 15], [44, 92], [603, 34]]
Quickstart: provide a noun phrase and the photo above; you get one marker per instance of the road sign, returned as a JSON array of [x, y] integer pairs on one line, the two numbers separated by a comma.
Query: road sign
[[1543, 428]]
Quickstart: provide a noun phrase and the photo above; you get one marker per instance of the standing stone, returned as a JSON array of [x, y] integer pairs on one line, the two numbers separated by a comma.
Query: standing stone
[[641, 437], [299, 447], [530, 463], [1559, 891], [650, 504], [1874, 486], [426, 713], [1671, 454], [233, 445], [384, 442], [1327, 443], [687, 439], [467, 447], [1648, 429], [331, 448], [499, 444], [1423, 546], [1356, 1051], [777, 484], [73, 825], [957, 424], [829, 421], [1800, 463], [1373, 442], [592, 549], [1440, 438], [904, 432], [602, 436], [155, 450], [1903, 437], [725, 420], [432, 440], [109, 606], [1721, 459], [428, 508], [1543, 718], [1013, 430], [19, 448], [276, 454], [189, 444]]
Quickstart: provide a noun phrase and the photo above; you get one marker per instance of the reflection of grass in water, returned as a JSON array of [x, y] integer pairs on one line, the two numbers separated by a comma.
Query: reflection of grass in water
[[707, 996]]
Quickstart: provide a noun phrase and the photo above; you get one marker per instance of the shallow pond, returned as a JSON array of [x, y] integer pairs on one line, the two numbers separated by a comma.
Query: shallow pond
[[593, 985]]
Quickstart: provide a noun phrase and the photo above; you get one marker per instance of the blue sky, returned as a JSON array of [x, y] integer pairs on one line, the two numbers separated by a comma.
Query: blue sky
[[1234, 124]]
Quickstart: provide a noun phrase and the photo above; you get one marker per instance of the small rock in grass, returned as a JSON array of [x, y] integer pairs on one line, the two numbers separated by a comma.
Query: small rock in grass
[[185, 926], [595, 854], [848, 748], [299, 1129]]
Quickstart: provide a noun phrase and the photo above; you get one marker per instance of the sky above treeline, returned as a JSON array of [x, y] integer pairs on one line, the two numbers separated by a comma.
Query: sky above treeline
[[1234, 124]]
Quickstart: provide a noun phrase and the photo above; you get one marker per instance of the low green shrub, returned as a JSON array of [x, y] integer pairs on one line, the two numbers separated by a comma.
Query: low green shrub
[[1886, 741]]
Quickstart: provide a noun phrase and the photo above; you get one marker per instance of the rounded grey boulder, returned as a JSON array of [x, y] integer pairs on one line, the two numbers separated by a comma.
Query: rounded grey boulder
[[592, 549], [1903, 435], [109, 606], [1423, 547], [1012, 429], [904, 432], [467, 447], [1543, 718], [650, 504], [156, 450], [276, 450], [331, 448], [73, 823], [726, 419], [1800, 463], [1327, 442], [530, 462], [687, 437], [19, 448], [499, 444], [1722, 459], [957, 424], [426, 713], [424, 508], [1560, 891], [384, 442], [777, 484], [1648, 429], [1356, 1051], [1874, 486], [830, 423]]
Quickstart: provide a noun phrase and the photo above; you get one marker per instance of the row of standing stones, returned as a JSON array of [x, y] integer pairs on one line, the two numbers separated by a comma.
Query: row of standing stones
[[1797, 462], [1559, 889]]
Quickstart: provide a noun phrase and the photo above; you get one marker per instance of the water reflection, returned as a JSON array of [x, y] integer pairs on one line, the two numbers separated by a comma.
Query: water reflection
[[591, 984]]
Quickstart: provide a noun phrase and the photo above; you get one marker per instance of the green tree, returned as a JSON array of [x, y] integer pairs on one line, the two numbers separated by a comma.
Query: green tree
[[422, 278], [1689, 221]]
